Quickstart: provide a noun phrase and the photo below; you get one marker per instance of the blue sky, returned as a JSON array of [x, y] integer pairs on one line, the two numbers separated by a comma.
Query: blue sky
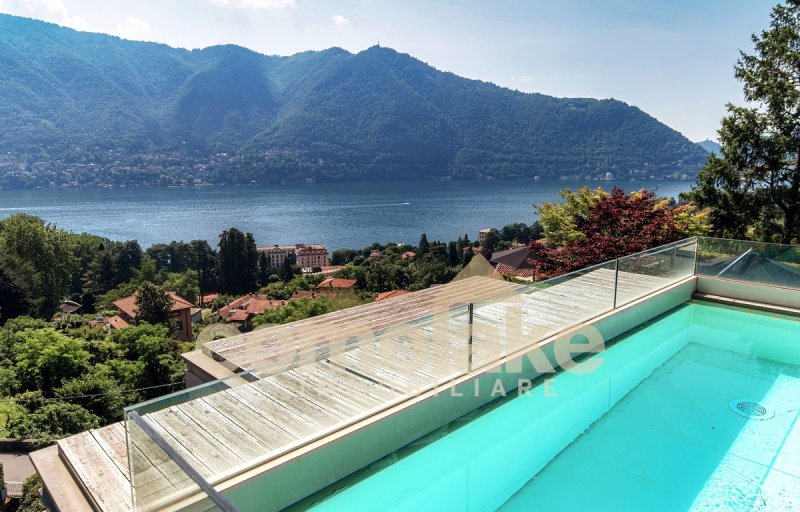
[[672, 58]]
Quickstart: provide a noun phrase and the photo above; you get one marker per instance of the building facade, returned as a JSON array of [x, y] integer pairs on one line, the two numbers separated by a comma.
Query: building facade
[[311, 255], [306, 255]]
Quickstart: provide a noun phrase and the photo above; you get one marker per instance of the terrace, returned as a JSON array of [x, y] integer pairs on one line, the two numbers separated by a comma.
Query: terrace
[[301, 406]]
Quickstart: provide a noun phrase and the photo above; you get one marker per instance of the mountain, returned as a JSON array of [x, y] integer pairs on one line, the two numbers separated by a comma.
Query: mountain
[[709, 146], [331, 115]]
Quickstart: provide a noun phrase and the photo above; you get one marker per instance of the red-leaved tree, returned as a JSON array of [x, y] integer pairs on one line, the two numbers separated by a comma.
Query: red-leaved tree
[[615, 225]]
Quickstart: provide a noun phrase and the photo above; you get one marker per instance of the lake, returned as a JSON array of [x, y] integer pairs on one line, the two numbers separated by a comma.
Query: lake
[[337, 215]]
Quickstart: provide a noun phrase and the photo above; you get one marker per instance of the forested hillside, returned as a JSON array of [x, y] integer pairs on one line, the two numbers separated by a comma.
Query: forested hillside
[[329, 115]]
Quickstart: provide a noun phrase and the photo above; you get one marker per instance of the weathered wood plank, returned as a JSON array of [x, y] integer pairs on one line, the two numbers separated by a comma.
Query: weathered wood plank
[[100, 476]]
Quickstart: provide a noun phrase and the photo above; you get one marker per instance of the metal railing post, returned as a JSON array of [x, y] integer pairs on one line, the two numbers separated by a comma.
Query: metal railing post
[[469, 340], [696, 253], [616, 281]]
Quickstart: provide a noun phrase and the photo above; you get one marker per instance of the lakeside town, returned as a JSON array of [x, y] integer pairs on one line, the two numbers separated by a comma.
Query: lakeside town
[[190, 169]]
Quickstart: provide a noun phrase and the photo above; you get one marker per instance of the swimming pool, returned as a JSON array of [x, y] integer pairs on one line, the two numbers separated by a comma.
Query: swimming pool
[[660, 424]]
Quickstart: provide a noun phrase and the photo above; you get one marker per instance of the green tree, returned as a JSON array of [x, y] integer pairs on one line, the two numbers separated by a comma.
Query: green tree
[[559, 219], [152, 304], [490, 243], [453, 257], [756, 180], [156, 354], [237, 266], [45, 357], [98, 393], [13, 301], [289, 268], [343, 256], [424, 246], [52, 421], [41, 258], [31, 500], [102, 273], [264, 269], [186, 284]]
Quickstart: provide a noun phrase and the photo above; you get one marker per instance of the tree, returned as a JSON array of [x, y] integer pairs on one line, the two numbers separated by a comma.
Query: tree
[[343, 256], [613, 226], [156, 353], [13, 302], [45, 357], [41, 258], [490, 243], [237, 266], [424, 247], [153, 304], [755, 182], [453, 258], [264, 269], [186, 284], [31, 500], [52, 421], [289, 268], [558, 219], [97, 392]]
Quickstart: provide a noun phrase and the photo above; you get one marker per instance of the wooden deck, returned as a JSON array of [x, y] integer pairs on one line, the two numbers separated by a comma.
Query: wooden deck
[[319, 375]]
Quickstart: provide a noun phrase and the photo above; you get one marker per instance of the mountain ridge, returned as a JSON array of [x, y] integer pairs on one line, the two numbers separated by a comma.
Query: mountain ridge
[[330, 115]]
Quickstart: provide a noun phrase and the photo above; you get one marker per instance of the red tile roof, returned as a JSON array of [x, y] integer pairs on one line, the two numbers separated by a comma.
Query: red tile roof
[[208, 297], [390, 294], [127, 304], [252, 304], [116, 322], [336, 282], [239, 315], [508, 270]]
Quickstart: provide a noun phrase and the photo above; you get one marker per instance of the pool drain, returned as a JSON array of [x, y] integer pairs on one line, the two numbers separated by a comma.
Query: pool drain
[[751, 410]]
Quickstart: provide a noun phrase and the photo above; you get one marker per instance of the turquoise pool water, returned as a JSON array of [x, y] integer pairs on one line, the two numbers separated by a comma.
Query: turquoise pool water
[[652, 429]]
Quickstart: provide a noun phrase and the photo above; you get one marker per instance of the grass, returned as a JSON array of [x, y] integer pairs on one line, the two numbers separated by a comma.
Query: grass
[[9, 411]]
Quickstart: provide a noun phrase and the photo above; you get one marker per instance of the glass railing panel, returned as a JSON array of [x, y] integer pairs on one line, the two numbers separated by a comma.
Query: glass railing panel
[[161, 479], [748, 261], [516, 320], [643, 273]]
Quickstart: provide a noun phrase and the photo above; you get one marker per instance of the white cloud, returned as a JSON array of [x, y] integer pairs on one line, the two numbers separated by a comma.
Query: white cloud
[[48, 10], [134, 28], [255, 4], [340, 21]]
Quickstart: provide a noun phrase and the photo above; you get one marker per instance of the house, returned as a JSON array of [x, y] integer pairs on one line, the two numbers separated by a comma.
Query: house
[[409, 255], [180, 314], [390, 294], [242, 310], [375, 254], [336, 285], [483, 233]]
